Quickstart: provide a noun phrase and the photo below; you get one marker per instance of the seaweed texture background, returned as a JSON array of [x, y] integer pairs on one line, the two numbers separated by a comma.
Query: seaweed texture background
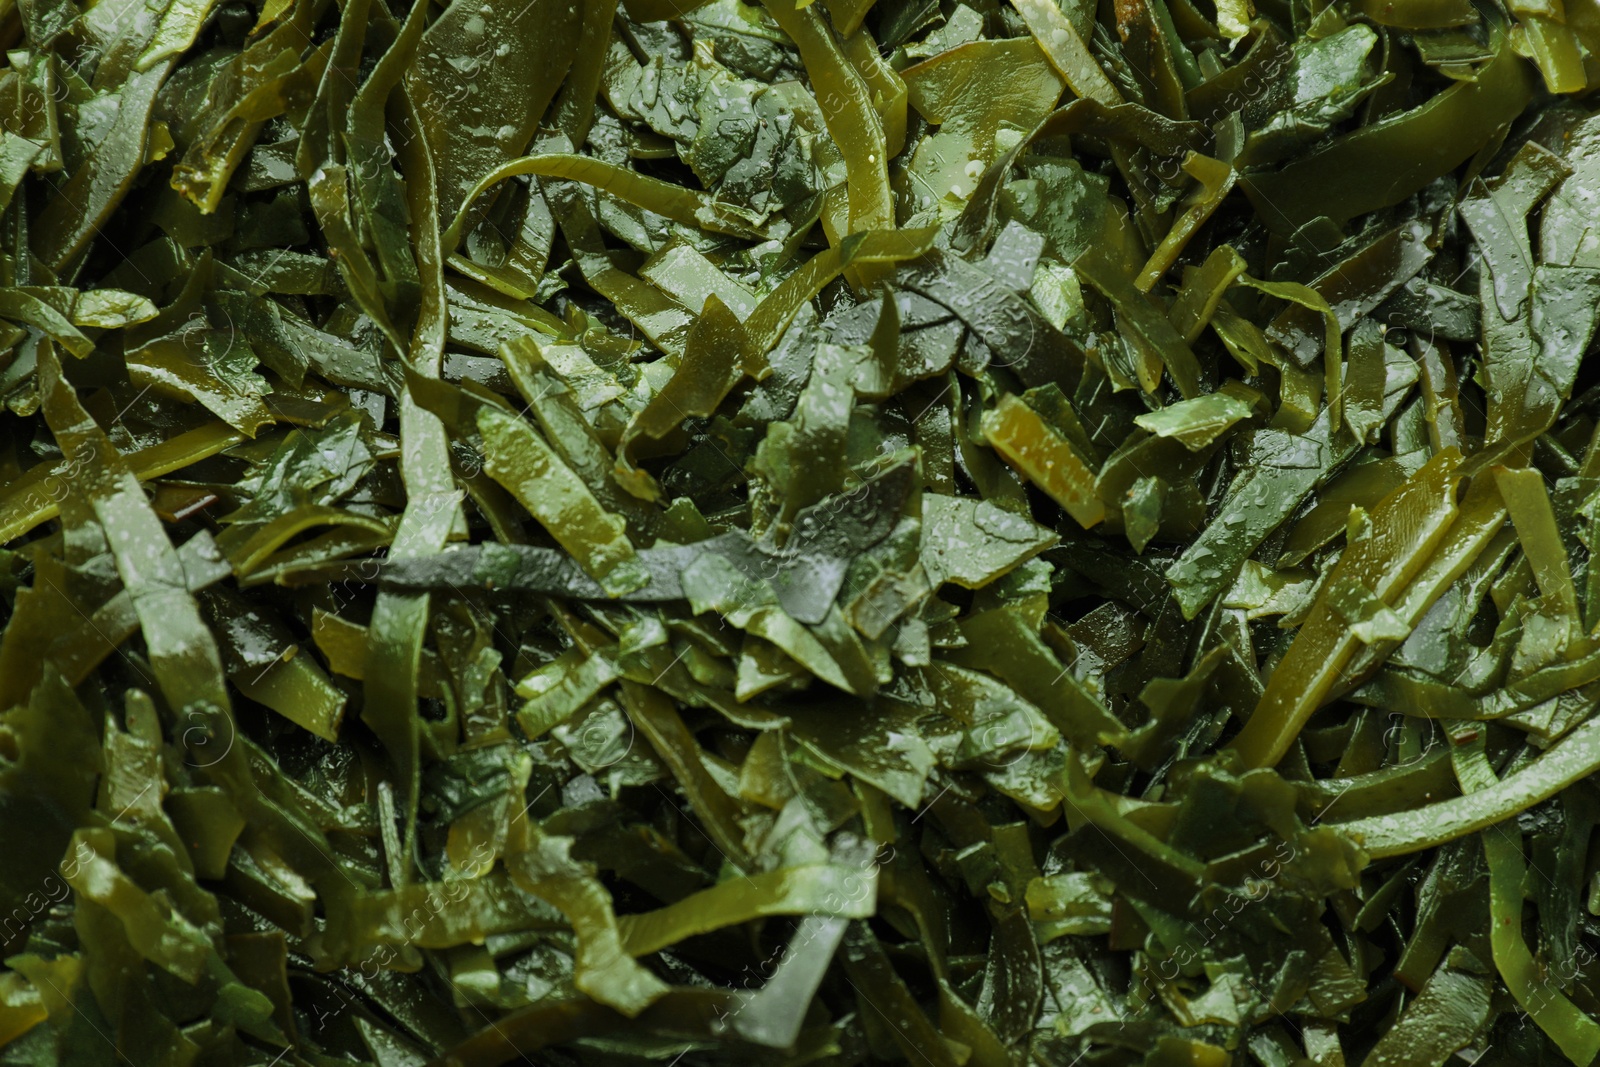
[[969, 534]]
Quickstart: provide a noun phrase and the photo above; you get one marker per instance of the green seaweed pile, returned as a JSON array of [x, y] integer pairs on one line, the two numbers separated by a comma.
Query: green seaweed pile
[[969, 534]]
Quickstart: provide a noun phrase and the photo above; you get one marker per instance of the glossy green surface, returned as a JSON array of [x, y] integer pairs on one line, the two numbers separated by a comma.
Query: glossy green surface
[[967, 534]]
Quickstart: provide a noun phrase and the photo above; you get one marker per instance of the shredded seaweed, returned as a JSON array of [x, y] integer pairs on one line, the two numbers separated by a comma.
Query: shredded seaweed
[[868, 531]]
